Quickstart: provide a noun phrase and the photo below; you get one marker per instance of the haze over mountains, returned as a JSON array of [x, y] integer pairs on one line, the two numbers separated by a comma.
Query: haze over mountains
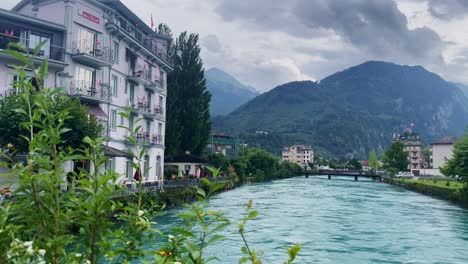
[[351, 112], [227, 92]]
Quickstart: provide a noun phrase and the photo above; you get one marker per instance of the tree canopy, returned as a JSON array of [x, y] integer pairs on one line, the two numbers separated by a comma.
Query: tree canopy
[[12, 130], [395, 158], [373, 162], [458, 164]]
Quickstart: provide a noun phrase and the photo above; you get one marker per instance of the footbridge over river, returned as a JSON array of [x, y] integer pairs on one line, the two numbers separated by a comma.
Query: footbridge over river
[[356, 174]]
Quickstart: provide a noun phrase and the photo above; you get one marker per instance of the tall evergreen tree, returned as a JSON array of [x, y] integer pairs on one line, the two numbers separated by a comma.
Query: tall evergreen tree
[[188, 117]]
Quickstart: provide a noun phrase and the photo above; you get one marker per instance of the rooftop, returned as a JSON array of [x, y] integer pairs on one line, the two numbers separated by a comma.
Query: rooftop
[[31, 20], [445, 140]]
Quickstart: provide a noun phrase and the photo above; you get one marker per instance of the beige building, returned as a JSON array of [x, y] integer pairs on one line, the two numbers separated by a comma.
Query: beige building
[[414, 148], [299, 154], [442, 150]]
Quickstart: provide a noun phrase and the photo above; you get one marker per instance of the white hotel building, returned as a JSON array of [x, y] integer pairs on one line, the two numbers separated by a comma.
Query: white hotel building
[[103, 54]]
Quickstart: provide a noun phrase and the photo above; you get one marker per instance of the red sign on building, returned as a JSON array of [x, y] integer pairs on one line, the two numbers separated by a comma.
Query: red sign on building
[[90, 17]]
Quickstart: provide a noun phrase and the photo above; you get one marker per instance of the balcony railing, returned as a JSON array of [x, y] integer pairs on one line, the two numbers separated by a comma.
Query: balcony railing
[[89, 91], [47, 51], [157, 139], [88, 51], [123, 27]]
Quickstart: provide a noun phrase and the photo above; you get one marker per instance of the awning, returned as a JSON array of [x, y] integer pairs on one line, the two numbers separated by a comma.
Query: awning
[[96, 110], [113, 152]]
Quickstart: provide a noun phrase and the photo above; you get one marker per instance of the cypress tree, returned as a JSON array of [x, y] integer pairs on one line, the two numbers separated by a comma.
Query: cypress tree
[[188, 117]]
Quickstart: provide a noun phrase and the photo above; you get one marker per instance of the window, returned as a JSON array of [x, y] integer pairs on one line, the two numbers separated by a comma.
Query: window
[[113, 119], [122, 122], [148, 127], [158, 166], [129, 169], [85, 78], [115, 87], [110, 165], [146, 166], [35, 39], [14, 88], [116, 52], [87, 41], [159, 129], [126, 87]]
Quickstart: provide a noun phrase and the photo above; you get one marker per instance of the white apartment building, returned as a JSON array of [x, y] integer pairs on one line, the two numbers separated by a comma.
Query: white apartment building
[[299, 154], [442, 150], [103, 54]]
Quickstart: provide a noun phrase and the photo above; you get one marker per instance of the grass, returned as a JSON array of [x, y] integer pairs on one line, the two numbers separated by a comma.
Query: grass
[[454, 185]]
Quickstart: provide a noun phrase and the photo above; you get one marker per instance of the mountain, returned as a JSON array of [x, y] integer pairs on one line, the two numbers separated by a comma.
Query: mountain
[[463, 88], [227, 92], [351, 112]]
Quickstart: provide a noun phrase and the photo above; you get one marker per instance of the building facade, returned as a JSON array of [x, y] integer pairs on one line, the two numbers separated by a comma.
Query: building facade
[[299, 154], [223, 144], [441, 151], [106, 56], [414, 149]]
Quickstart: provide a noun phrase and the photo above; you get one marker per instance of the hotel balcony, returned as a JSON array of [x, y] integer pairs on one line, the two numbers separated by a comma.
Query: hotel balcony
[[125, 30], [159, 113], [157, 139], [55, 55], [153, 84], [144, 138], [91, 54], [138, 76], [89, 92]]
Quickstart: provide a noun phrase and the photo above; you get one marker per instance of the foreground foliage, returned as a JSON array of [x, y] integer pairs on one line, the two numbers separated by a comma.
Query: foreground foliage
[[43, 223]]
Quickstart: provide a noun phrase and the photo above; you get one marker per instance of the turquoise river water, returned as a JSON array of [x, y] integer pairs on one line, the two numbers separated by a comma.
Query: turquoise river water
[[340, 221]]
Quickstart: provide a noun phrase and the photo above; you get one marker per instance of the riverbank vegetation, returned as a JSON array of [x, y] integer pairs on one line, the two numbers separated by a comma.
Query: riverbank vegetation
[[255, 165], [450, 190]]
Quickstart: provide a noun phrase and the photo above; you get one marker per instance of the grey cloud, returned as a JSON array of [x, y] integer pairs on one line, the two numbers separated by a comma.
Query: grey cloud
[[374, 26], [212, 43], [448, 9]]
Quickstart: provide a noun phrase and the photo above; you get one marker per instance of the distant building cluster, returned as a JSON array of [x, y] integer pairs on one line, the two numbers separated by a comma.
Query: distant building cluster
[[299, 154], [441, 150]]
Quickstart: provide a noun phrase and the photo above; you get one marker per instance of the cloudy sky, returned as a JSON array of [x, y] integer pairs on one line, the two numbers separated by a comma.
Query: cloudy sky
[[265, 43]]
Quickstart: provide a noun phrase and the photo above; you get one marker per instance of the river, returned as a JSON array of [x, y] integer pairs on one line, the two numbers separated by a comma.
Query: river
[[341, 221]]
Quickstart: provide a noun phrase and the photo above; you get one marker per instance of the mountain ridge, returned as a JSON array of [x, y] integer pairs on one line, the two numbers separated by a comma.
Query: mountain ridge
[[352, 111], [227, 92]]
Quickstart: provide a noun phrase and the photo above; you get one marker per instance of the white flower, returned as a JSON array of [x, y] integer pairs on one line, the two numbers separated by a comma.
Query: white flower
[[78, 255], [28, 244], [30, 250], [177, 262], [141, 213], [171, 237], [41, 252]]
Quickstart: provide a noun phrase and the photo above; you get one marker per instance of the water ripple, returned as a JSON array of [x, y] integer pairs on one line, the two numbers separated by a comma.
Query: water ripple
[[342, 221]]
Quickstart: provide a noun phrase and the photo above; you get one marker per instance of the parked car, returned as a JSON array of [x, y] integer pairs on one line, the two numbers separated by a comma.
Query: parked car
[[405, 175]]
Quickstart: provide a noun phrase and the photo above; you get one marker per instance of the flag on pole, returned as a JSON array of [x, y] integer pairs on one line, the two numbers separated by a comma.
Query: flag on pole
[[152, 22]]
